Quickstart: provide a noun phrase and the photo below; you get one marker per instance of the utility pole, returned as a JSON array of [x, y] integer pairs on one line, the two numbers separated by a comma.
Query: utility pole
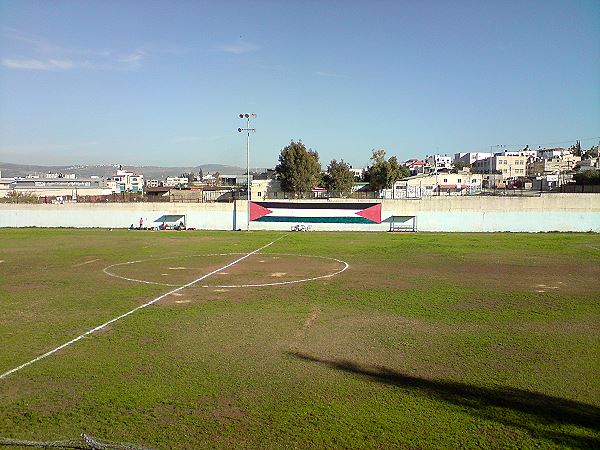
[[248, 130]]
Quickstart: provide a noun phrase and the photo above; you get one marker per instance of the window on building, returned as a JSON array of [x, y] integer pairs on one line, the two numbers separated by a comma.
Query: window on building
[[459, 180], [445, 180]]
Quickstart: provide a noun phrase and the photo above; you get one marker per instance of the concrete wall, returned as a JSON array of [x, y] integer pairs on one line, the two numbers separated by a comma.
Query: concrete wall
[[550, 212], [206, 216]]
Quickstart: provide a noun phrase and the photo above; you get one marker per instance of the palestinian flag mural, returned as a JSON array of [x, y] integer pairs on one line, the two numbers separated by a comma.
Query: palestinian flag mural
[[315, 212]]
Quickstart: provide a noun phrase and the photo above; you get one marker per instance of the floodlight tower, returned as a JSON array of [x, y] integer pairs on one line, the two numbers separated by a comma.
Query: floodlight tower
[[248, 130]]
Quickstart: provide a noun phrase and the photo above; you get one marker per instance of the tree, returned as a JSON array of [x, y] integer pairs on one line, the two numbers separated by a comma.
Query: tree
[[339, 178], [200, 174], [189, 176], [20, 197], [383, 174], [298, 169], [460, 165], [396, 171], [590, 176], [576, 149], [591, 153]]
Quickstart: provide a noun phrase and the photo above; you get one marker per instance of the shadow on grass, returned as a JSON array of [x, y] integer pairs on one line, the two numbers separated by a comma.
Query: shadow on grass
[[542, 416]]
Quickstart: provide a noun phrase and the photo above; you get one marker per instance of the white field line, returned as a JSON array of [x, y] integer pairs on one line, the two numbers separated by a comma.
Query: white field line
[[86, 262], [151, 302], [278, 283], [108, 272], [282, 283]]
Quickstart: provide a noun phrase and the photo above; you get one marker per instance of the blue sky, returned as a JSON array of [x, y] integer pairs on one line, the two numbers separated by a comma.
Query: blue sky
[[162, 82]]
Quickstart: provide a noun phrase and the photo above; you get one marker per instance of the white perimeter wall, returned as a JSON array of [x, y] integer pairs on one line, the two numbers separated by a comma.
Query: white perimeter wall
[[206, 216], [550, 212]]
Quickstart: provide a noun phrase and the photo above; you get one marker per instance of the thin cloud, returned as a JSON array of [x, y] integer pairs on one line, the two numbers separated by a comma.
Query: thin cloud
[[239, 48], [46, 56], [37, 64]]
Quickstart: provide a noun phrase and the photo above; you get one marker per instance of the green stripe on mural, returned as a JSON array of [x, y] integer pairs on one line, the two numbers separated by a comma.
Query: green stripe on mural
[[356, 219]]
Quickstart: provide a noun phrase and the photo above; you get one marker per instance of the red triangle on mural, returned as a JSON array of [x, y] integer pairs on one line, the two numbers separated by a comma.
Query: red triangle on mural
[[372, 213], [257, 211]]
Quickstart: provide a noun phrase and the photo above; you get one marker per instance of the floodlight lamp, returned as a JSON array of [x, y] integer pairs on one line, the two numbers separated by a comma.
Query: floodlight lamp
[[246, 116], [241, 116], [240, 130]]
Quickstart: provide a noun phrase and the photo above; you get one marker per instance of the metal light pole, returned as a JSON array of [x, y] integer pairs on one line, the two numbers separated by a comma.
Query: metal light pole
[[248, 130]]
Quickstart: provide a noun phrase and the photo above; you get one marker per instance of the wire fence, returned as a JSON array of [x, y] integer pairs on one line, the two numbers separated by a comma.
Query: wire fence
[[229, 196]]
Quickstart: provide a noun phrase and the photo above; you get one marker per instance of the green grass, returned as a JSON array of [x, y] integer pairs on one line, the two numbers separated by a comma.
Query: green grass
[[426, 341]]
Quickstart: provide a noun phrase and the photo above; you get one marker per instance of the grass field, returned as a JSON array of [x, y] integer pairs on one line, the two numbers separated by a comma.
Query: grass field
[[425, 341]]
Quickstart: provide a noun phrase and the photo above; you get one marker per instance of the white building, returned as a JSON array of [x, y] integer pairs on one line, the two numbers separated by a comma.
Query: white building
[[358, 173], [126, 181], [528, 153], [461, 183], [416, 166], [471, 157], [265, 189], [510, 167], [55, 187], [439, 162], [153, 183], [551, 152], [176, 181], [235, 180]]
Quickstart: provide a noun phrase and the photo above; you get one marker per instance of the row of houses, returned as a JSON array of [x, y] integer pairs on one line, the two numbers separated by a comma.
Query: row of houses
[[464, 173]]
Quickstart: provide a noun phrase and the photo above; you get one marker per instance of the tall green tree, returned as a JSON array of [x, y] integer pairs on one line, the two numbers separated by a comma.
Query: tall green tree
[[339, 178], [299, 169], [382, 173], [590, 176]]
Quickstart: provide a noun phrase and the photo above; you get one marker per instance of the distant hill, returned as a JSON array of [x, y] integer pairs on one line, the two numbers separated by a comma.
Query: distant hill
[[10, 170]]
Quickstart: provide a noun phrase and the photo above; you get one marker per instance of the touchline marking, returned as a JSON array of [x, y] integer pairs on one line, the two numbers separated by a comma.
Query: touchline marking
[[151, 302]]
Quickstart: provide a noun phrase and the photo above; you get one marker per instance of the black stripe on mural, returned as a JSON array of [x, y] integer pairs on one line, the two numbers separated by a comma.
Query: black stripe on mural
[[315, 205]]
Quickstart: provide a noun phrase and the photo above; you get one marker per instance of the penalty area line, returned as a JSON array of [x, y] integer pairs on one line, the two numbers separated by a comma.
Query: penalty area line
[[122, 316]]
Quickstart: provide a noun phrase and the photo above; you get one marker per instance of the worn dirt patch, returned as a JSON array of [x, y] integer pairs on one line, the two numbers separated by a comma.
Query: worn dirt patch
[[543, 276], [227, 410], [154, 270], [283, 268], [314, 315], [280, 268]]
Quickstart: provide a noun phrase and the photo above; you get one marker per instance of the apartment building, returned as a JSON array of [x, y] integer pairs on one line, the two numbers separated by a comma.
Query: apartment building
[[176, 181], [439, 161], [509, 166], [552, 165], [463, 182], [471, 157], [126, 181]]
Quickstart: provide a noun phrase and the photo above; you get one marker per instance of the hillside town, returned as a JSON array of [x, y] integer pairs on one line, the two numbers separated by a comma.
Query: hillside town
[[502, 172]]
